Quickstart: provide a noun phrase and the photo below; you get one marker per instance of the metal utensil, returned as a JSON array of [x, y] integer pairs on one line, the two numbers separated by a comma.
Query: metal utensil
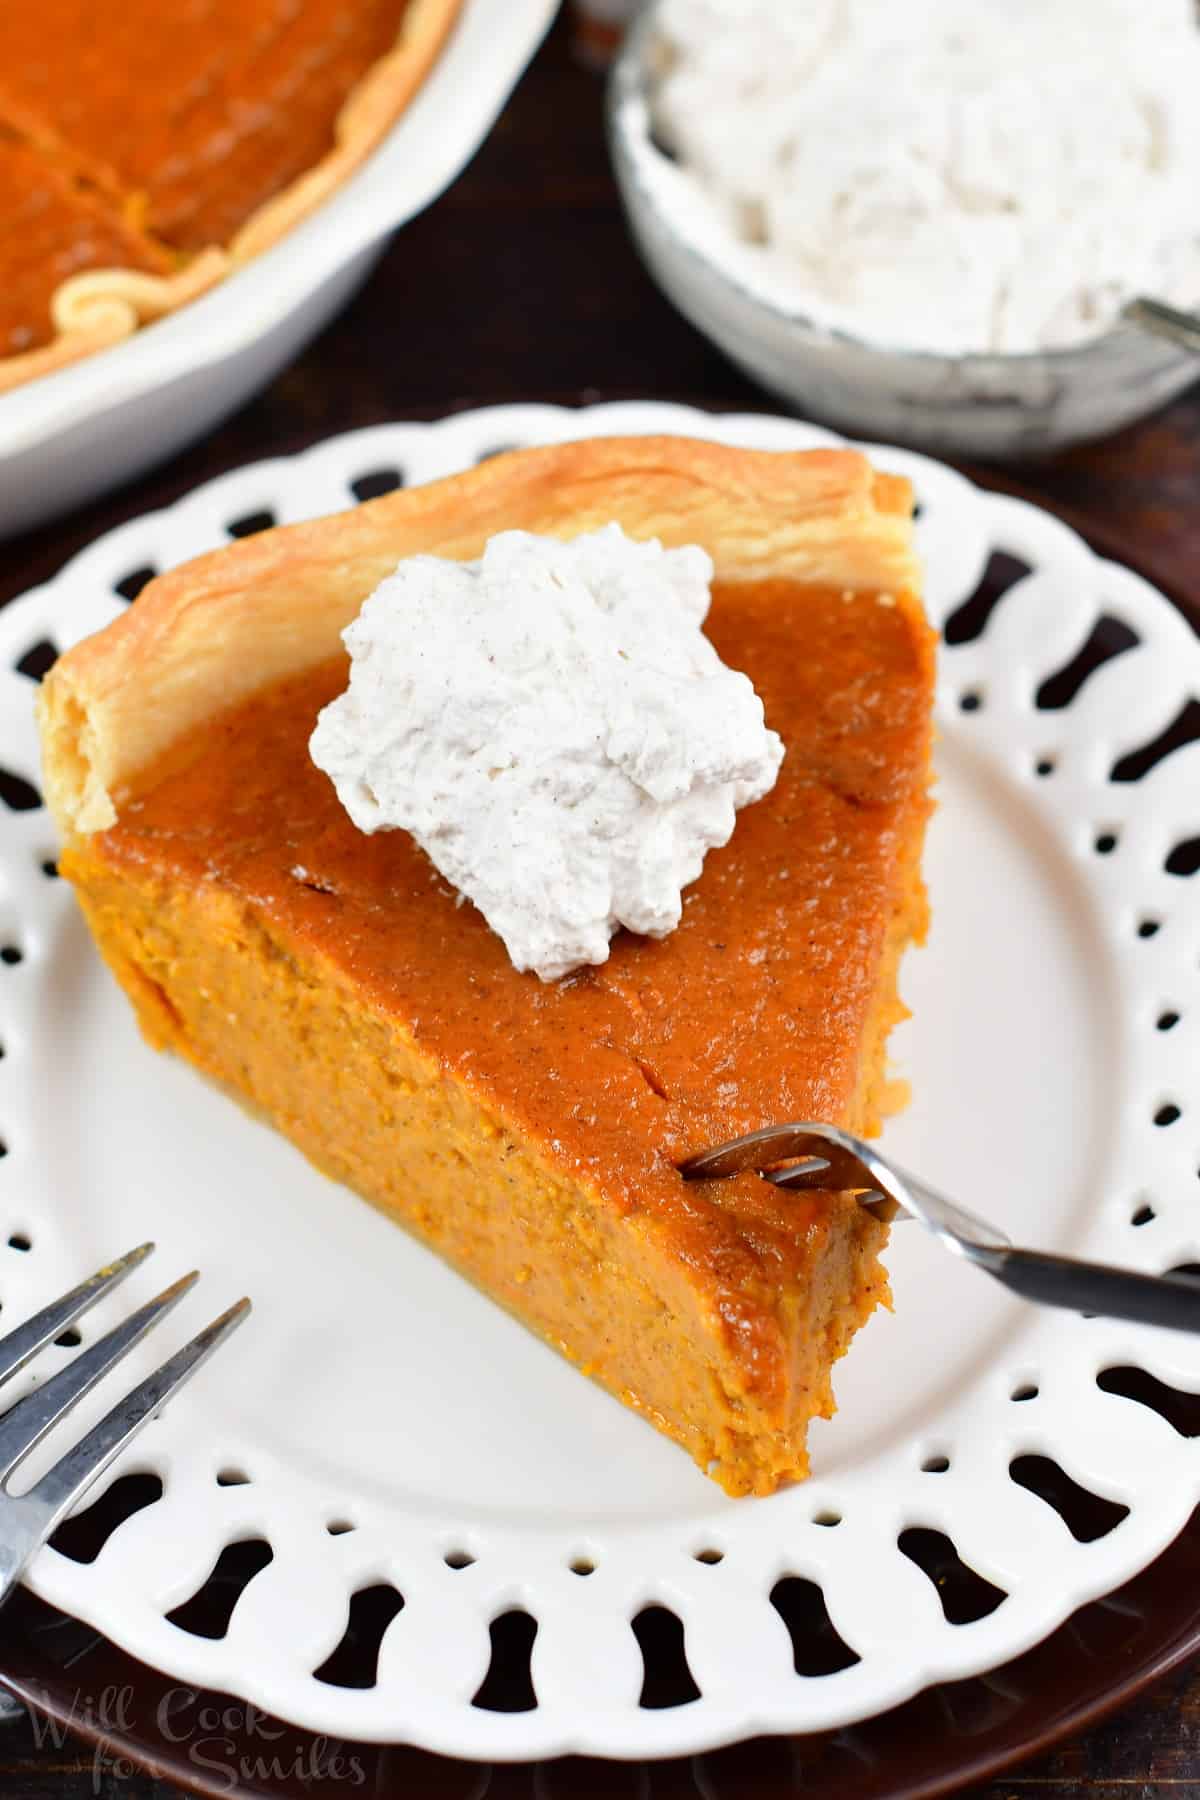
[[27, 1520], [1169, 323], [835, 1159]]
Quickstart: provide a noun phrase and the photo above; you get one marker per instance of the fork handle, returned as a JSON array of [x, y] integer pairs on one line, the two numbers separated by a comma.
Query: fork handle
[[1169, 1300]]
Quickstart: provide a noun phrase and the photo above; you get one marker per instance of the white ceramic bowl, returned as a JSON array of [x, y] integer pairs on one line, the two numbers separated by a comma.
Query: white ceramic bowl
[[75, 434], [994, 405]]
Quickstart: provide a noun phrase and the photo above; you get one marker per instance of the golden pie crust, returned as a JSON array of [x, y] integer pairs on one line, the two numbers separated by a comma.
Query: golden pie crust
[[208, 634]]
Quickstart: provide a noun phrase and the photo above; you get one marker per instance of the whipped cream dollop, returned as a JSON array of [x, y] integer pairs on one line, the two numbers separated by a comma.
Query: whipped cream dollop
[[946, 175], [555, 730]]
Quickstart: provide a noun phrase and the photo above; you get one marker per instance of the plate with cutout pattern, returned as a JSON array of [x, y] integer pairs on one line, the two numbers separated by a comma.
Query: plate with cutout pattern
[[384, 1459]]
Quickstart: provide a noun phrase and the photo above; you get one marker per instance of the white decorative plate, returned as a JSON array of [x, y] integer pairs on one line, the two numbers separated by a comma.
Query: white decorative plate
[[379, 1424]]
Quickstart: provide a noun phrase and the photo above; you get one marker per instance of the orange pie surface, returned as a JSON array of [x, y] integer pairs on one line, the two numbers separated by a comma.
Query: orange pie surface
[[141, 136], [202, 110], [55, 227], [530, 1132]]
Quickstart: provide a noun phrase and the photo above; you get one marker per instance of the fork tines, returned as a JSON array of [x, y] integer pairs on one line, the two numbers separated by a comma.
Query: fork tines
[[26, 1423]]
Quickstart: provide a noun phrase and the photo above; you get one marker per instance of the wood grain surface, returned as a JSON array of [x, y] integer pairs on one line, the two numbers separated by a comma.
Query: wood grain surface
[[521, 284], [1150, 1751]]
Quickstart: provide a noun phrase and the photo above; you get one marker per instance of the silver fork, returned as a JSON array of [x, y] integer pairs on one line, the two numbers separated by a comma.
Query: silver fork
[[27, 1520], [835, 1159]]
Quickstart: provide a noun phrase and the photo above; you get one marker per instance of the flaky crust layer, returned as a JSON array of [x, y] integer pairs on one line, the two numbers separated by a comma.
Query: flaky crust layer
[[212, 632], [103, 306]]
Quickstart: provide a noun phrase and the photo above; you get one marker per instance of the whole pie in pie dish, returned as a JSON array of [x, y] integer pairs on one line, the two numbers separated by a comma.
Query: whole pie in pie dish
[[531, 1132], [145, 151]]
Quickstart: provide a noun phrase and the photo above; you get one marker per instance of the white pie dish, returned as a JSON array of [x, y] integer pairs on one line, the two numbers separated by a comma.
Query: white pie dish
[[76, 433], [374, 1389]]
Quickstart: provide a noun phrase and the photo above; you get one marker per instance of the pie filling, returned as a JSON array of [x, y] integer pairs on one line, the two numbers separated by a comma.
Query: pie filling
[[531, 1132], [134, 138], [56, 226]]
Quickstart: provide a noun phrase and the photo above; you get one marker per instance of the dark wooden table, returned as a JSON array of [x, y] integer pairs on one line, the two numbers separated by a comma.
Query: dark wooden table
[[521, 284]]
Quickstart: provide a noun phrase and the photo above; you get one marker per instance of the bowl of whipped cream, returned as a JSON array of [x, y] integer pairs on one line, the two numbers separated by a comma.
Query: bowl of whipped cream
[[930, 222]]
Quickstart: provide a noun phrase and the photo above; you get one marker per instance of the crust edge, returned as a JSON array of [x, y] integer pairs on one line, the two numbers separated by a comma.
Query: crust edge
[[208, 634]]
